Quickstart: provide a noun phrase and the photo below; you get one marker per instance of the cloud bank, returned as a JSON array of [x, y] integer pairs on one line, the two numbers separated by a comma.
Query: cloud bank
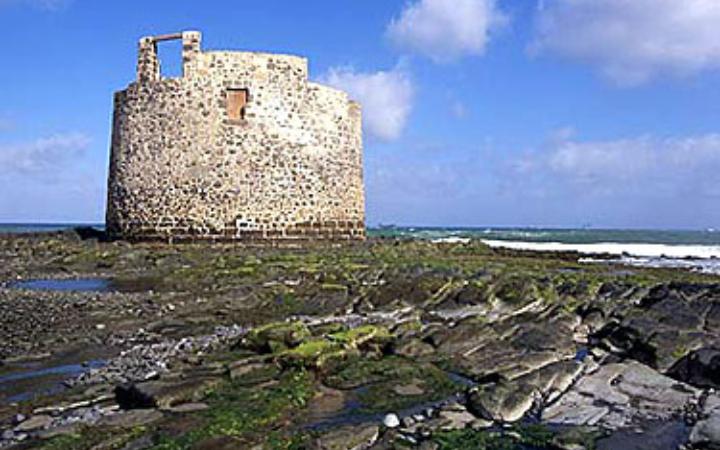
[[446, 31], [50, 179], [42, 156], [386, 97], [640, 165], [638, 181], [632, 41]]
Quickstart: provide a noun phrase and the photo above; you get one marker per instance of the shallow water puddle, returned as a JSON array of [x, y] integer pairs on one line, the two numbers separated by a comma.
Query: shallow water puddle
[[84, 285], [581, 354], [25, 381], [352, 412], [655, 436], [79, 285]]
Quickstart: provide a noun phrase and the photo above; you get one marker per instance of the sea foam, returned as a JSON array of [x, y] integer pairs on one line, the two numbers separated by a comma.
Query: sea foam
[[613, 248], [697, 258]]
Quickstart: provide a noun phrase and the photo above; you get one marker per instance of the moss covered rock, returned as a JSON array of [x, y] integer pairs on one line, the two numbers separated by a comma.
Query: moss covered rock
[[276, 337]]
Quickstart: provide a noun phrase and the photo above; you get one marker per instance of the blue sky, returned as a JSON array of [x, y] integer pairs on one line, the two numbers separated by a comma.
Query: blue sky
[[477, 112]]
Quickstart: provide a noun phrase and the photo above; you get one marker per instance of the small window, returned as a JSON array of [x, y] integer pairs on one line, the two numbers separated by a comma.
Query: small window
[[237, 100]]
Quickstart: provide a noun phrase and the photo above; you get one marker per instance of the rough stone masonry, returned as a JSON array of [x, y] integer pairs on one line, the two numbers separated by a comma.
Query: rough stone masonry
[[242, 146]]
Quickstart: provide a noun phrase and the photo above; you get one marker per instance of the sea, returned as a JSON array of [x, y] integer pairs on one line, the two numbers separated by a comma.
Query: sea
[[696, 250]]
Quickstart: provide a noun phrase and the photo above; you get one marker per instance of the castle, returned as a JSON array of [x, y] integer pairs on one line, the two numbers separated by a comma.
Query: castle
[[241, 147]]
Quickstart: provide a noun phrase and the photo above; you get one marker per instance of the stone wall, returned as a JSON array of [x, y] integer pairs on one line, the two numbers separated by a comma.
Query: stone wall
[[182, 168]]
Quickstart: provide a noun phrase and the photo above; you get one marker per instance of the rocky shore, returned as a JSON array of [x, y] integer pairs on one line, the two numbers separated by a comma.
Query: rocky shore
[[381, 345]]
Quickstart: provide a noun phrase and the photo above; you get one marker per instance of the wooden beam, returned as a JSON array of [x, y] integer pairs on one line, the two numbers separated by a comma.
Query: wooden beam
[[167, 37]]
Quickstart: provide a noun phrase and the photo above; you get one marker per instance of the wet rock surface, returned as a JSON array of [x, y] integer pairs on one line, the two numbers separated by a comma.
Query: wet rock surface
[[377, 345], [624, 395]]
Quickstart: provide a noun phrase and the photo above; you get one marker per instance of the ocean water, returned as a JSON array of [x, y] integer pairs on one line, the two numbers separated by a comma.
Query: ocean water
[[558, 235], [697, 250]]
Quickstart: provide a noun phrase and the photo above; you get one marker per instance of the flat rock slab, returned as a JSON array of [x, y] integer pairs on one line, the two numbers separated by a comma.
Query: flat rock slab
[[188, 408], [34, 423], [409, 389], [455, 417], [502, 402], [509, 401], [347, 438], [620, 396], [512, 346], [131, 419]]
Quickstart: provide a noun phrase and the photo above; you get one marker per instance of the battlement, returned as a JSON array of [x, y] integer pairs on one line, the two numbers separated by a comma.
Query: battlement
[[240, 147]]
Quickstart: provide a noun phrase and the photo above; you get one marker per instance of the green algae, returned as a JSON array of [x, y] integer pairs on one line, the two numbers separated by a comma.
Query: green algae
[[334, 287], [248, 415], [315, 354], [355, 337], [330, 349], [276, 337], [518, 437], [86, 438], [516, 289]]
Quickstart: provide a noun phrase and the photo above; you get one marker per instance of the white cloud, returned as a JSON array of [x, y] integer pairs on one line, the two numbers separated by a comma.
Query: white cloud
[[632, 41], [42, 156], [641, 165], [446, 30], [51, 179], [386, 97]]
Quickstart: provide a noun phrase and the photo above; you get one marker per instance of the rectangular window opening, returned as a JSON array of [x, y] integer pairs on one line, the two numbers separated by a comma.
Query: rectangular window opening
[[237, 100], [170, 57]]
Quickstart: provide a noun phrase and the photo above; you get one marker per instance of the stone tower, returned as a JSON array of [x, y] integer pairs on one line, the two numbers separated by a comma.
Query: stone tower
[[240, 147]]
